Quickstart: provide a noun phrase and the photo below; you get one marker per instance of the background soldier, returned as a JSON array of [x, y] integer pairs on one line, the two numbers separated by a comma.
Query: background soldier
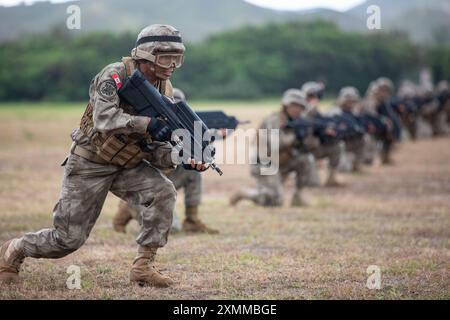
[[190, 181], [378, 103], [332, 151], [347, 103], [443, 96], [432, 107], [407, 108], [269, 191], [105, 157]]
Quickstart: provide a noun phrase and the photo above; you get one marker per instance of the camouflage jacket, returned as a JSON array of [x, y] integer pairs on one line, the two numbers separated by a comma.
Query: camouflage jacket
[[111, 116], [287, 139]]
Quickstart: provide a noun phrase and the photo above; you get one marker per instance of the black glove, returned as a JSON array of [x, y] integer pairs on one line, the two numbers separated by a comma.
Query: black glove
[[188, 166], [159, 130]]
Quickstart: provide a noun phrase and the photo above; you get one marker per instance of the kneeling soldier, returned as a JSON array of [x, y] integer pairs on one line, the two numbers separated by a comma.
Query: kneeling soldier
[[269, 191], [333, 150], [347, 102]]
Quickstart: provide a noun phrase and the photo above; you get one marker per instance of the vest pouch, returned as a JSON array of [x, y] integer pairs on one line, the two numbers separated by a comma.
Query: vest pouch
[[110, 148], [128, 156]]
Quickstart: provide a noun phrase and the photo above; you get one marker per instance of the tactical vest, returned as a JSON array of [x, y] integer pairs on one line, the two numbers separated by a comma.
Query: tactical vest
[[116, 149]]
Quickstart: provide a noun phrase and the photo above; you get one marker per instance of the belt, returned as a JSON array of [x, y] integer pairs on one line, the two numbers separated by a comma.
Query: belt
[[86, 154]]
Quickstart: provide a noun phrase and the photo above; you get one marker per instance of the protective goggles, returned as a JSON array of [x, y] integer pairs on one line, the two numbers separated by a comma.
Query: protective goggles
[[166, 60]]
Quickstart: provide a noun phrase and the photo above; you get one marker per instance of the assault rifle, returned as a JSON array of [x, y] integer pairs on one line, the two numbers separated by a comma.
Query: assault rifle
[[346, 127], [372, 122], [305, 126], [147, 101], [343, 127], [219, 120]]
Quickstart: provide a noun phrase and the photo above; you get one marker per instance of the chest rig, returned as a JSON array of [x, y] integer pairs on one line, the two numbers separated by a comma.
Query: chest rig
[[123, 150]]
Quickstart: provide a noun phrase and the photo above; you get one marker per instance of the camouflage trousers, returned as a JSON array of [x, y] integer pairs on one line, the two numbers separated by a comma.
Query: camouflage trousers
[[439, 124], [191, 182], [332, 151], [371, 148], [356, 147], [269, 191], [84, 190]]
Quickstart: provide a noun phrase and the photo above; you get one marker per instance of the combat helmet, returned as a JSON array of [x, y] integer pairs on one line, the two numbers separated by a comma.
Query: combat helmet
[[158, 38], [312, 88], [348, 94], [294, 96]]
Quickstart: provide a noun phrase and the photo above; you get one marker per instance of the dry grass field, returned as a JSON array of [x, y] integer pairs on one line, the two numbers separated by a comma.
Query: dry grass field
[[395, 217]]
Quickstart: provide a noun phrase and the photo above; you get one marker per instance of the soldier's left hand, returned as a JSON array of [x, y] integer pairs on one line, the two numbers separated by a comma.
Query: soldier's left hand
[[223, 132], [199, 166], [330, 132]]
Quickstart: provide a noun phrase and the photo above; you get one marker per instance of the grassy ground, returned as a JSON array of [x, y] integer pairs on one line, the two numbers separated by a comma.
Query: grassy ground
[[397, 218]]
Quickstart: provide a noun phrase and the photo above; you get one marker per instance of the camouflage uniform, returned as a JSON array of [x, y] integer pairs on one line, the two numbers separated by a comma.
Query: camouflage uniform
[[346, 103], [371, 144], [406, 94], [377, 103], [438, 109], [103, 158], [189, 180], [332, 151], [269, 191], [87, 183], [443, 94]]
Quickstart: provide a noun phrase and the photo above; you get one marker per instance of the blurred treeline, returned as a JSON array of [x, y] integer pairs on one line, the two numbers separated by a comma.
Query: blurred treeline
[[247, 63]]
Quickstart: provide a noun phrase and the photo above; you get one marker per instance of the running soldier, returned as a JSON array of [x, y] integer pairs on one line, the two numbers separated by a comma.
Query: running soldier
[[106, 156]]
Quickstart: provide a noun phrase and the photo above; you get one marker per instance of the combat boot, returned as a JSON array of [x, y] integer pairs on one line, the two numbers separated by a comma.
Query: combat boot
[[143, 271], [386, 159], [332, 181], [11, 258], [357, 167], [122, 218], [193, 224], [313, 178], [238, 196], [297, 200]]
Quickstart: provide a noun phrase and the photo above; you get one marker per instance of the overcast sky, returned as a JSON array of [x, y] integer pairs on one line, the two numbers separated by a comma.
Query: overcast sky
[[340, 5]]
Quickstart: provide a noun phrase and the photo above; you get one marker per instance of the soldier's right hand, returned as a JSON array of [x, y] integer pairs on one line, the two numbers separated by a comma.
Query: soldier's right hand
[[158, 130], [330, 132]]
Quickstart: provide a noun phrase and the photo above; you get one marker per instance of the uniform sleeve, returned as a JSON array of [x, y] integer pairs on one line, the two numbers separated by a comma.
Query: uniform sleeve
[[161, 156], [286, 137], [107, 114]]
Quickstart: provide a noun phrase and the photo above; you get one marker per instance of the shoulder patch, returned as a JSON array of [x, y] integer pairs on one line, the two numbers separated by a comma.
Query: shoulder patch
[[107, 89], [116, 78]]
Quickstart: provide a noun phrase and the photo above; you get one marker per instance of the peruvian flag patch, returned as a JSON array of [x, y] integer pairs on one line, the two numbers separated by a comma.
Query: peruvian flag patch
[[116, 78]]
